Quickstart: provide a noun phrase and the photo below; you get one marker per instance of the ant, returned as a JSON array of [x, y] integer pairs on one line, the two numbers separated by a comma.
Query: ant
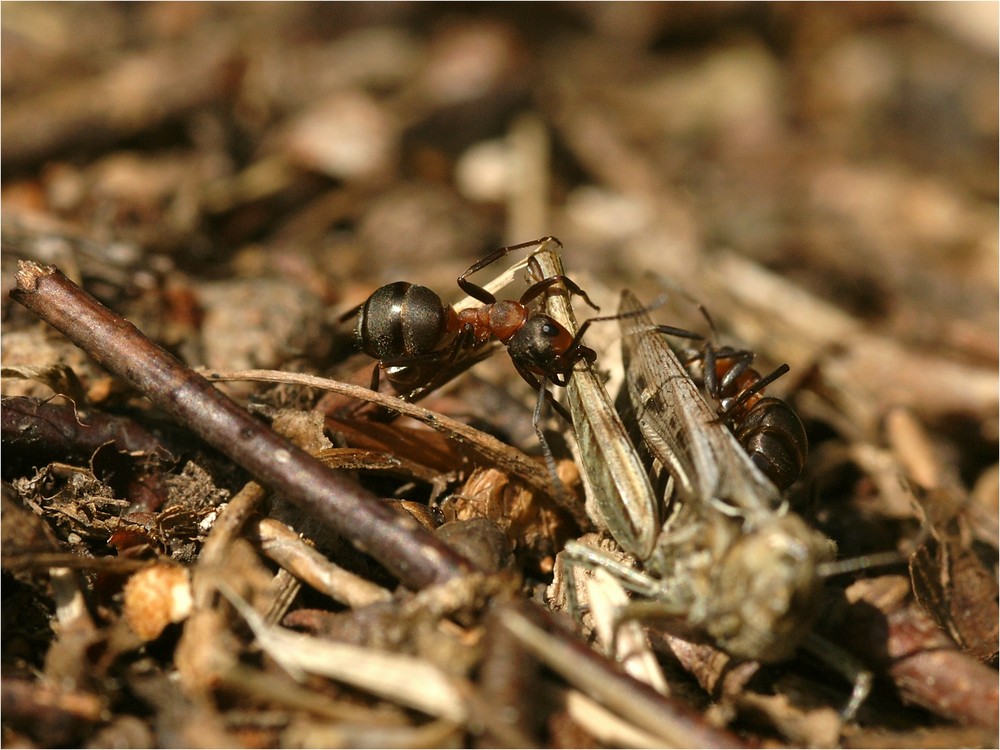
[[419, 342], [768, 428]]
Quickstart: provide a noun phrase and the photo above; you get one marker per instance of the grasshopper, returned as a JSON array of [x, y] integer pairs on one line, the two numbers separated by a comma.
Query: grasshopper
[[615, 476], [729, 561]]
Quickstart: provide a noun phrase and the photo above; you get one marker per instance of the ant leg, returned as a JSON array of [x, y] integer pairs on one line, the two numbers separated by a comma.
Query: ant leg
[[711, 356], [683, 333], [352, 313], [531, 380], [756, 388], [679, 332], [476, 291], [463, 341], [536, 418], [709, 372], [742, 360], [448, 372], [562, 495], [561, 369], [707, 317], [356, 406], [576, 350], [378, 413], [536, 289]]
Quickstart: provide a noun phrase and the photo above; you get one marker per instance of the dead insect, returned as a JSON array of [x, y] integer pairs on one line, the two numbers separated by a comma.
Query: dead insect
[[768, 428], [614, 474], [420, 343], [730, 560]]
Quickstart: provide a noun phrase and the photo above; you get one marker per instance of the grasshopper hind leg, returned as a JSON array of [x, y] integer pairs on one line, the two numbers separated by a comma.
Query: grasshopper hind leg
[[845, 664]]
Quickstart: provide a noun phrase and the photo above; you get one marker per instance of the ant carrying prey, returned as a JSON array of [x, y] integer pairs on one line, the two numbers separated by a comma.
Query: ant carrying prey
[[420, 343]]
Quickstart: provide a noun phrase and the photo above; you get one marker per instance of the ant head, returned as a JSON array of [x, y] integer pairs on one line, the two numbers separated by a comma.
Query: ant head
[[541, 344]]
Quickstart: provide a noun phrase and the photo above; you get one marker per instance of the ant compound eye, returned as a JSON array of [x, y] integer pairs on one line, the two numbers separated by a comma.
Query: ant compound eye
[[557, 338]]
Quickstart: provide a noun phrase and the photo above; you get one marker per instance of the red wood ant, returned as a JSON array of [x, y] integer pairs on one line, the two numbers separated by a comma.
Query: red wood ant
[[768, 428], [420, 343]]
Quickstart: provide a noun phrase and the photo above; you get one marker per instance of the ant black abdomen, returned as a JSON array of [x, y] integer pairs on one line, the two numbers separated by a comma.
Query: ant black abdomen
[[768, 428], [773, 436], [399, 321]]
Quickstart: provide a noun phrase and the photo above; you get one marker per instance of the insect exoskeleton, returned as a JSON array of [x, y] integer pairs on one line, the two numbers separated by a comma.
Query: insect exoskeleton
[[401, 320], [766, 589]]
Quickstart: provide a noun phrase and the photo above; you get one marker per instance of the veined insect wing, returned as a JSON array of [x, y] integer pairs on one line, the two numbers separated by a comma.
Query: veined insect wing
[[615, 476]]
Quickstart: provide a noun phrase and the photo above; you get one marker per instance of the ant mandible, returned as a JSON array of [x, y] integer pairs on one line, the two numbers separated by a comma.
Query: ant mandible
[[419, 342], [768, 428]]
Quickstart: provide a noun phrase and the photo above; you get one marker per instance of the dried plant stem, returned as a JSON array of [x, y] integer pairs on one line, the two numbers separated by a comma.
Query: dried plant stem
[[488, 447], [285, 547], [667, 719], [398, 542], [226, 528]]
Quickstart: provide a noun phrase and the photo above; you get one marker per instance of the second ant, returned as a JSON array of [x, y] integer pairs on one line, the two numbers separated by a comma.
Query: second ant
[[768, 428]]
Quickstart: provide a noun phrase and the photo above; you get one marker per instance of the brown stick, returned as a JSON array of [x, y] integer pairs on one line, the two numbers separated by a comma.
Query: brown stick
[[30, 425], [888, 628], [398, 542]]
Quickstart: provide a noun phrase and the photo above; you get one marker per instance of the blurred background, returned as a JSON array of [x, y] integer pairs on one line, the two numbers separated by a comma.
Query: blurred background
[[781, 163]]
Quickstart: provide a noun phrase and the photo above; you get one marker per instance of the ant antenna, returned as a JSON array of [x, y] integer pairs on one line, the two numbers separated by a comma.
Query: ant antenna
[[654, 305], [759, 386]]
